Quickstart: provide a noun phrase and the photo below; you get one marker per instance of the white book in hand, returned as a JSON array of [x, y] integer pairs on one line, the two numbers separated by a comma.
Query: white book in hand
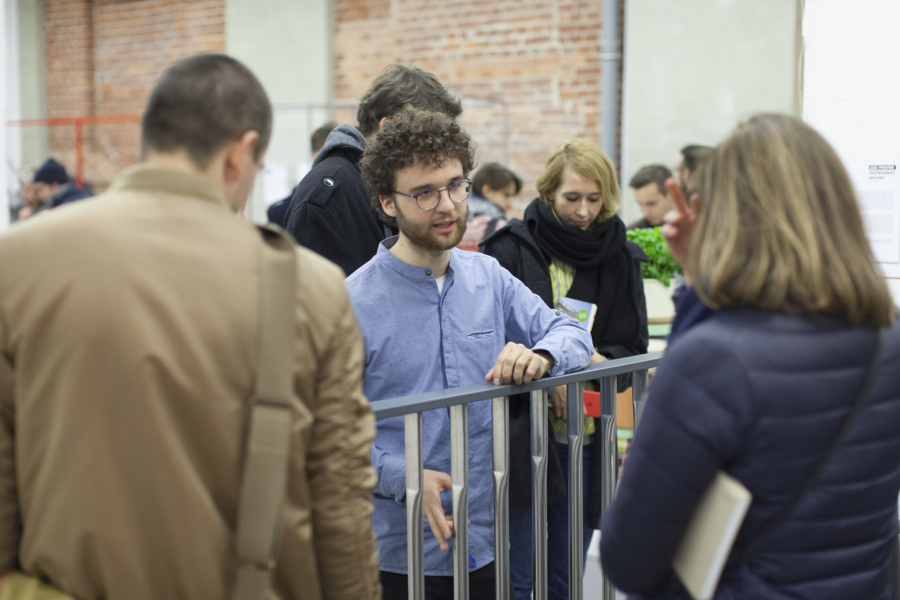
[[710, 535]]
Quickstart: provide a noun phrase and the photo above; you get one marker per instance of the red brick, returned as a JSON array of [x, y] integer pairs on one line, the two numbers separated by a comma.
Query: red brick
[[103, 57]]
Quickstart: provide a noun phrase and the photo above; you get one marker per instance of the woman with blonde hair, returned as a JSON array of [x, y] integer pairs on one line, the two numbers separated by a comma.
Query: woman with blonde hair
[[570, 245], [790, 383]]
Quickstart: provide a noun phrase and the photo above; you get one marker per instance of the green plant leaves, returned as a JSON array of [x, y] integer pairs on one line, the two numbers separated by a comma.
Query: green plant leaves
[[661, 266]]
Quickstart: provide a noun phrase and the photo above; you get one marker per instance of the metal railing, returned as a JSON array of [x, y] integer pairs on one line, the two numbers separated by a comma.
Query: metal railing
[[457, 400]]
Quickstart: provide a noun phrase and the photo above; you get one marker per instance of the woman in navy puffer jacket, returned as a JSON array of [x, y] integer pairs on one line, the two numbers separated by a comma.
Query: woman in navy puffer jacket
[[760, 385]]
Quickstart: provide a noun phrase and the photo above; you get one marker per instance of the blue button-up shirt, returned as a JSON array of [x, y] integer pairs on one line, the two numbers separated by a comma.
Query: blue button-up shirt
[[420, 340]]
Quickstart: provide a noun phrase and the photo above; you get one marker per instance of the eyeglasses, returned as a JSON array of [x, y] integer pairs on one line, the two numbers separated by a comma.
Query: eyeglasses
[[429, 199]]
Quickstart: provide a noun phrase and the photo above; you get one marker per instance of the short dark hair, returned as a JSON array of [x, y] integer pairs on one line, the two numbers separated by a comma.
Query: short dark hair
[[693, 155], [317, 140], [412, 136], [495, 176], [398, 86], [202, 103], [651, 174]]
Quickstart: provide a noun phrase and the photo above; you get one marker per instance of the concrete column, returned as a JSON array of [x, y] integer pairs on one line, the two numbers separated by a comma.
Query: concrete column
[[4, 92], [32, 74], [850, 88], [694, 68], [289, 45]]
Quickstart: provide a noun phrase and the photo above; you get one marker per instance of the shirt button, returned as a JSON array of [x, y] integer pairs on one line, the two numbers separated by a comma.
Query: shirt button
[[557, 313], [328, 181], [428, 272]]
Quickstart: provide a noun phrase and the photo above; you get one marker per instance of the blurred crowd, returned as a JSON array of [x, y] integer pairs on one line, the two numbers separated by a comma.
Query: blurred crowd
[[138, 427]]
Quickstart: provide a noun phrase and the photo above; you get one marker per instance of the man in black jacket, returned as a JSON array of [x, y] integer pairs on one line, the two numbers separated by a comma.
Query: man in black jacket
[[331, 212], [52, 185]]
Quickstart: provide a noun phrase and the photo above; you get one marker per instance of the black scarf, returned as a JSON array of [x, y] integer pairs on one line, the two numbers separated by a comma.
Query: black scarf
[[604, 274]]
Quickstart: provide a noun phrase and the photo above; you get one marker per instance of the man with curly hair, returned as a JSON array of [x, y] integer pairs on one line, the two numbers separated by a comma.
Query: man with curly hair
[[329, 212], [435, 317]]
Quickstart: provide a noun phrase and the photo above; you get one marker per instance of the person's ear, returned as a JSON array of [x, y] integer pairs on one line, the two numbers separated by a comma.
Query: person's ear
[[387, 205], [241, 155], [381, 122]]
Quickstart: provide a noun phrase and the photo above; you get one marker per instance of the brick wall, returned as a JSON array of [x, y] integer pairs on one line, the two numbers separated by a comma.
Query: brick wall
[[69, 39], [541, 57], [103, 57]]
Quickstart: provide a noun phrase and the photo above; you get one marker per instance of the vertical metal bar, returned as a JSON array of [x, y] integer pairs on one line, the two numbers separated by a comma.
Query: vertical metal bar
[[415, 526], [79, 153], [539, 426], [610, 456], [459, 476], [500, 416], [638, 389], [575, 417]]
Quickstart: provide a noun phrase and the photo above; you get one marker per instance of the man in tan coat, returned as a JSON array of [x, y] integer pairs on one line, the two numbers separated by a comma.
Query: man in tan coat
[[129, 333]]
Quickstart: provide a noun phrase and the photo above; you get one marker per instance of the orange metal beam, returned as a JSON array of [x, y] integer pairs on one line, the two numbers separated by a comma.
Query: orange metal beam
[[78, 123]]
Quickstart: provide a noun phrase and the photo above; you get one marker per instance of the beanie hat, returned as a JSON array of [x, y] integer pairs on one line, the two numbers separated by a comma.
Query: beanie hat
[[51, 172]]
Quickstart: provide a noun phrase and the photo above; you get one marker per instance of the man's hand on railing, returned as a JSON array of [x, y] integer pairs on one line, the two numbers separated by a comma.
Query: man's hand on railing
[[434, 483], [518, 364]]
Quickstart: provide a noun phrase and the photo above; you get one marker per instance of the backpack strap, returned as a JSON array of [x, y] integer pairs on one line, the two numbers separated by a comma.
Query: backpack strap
[[264, 481]]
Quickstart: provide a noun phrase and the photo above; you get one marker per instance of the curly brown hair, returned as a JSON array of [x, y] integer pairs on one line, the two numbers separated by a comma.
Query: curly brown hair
[[409, 137]]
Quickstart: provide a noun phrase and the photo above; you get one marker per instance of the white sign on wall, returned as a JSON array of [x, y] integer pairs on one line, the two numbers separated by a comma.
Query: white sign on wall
[[878, 188]]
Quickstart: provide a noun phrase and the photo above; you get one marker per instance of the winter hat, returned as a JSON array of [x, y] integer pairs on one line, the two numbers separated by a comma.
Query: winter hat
[[51, 172]]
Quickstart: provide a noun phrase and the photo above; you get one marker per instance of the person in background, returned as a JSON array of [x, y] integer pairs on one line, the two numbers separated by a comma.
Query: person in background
[[330, 212], [435, 317], [53, 187], [688, 162], [277, 212], [649, 185], [760, 385], [571, 244], [493, 189], [129, 353], [28, 203]]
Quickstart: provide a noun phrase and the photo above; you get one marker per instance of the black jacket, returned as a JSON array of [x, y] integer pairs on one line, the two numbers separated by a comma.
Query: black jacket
[[330, 212], [516, 250], [762, 396], [66, 193]]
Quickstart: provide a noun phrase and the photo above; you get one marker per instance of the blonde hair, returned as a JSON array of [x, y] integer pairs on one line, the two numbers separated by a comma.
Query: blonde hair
[[779, 228], [589, 160]]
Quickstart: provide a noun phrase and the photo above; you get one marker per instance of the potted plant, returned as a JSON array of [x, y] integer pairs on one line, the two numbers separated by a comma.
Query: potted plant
[[658, 273]]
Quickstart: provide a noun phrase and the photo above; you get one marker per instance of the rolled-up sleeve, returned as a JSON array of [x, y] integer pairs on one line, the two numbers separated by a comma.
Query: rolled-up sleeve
[[531, 322]]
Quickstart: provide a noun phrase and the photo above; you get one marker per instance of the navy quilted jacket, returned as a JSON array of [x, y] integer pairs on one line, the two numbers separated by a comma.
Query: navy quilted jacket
[[762, 396]]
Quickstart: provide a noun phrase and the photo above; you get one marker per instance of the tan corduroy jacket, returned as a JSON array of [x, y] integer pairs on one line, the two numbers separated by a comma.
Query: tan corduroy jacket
[[128, 349]]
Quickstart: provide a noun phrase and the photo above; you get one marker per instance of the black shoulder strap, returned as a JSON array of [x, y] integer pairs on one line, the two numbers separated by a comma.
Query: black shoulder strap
[[814, 475]]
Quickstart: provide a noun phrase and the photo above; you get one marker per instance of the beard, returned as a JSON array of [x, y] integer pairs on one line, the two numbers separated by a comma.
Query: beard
[[422, 234]]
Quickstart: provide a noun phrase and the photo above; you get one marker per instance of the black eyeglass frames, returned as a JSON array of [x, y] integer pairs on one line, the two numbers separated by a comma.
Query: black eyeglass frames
[[429, 199]]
